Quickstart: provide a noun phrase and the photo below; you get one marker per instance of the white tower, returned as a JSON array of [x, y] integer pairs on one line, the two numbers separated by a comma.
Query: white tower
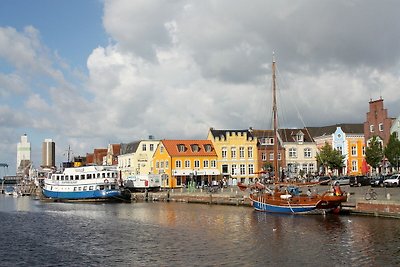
[[23, 152]]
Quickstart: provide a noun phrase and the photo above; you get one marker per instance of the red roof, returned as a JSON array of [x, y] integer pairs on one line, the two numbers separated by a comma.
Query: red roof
[[189, 147]]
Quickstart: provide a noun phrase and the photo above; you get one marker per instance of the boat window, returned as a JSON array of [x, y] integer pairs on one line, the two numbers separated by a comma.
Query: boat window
[[103, 175], [101, 187], [79, 188], [108, 175], [75, 188], [89, 176], [98, 175], [82, 177], [71, 177], [84, 188], [91, 187], [62, 177], [57, 178], [113, 186]]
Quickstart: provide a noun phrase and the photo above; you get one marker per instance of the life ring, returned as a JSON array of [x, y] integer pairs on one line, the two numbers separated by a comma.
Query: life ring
[[106, 181]]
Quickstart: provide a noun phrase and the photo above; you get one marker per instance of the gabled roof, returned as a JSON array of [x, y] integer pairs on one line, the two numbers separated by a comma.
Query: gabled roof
[[348, 128], [223, 133], [172, 147], [129, 147], [289, 135]]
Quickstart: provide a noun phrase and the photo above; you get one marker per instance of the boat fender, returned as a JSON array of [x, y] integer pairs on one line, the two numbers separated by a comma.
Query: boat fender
[[106, 181], [286, 196]]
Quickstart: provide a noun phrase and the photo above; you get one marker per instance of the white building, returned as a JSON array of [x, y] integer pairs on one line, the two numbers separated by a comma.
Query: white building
[[48, 153], [23, 154]]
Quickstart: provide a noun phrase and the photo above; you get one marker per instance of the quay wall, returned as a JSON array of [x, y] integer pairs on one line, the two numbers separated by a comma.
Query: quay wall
[[386, 205]]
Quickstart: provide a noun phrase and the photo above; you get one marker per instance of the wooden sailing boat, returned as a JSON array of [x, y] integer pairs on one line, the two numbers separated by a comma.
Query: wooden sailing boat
[[279, 199]]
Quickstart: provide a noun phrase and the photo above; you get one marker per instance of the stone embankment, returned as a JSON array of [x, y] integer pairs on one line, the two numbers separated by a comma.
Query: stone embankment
[[386, 204]]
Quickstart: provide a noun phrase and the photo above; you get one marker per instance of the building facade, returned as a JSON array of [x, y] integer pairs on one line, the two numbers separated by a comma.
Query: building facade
[[48, 154], [23, 155], [186, 162], [237, 154], [377, 123], [300, 152]]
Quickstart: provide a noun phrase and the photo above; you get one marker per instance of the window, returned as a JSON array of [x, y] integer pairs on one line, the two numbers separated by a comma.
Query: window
[[197, 163], [271, 141], [157, 164], [363, 150], [233, 152], [354, 166], [279, 155], [151, 147], [207, 148], [354, 151], [166, 163], [213, 164], [233, 169], [251, 169], [195, 148], [143, 147], [205, 163], [300, 137], [181, 148], [292, 152], [304, 167], [271, 156], [380, 126], [242, 169], [161, 149], [225, 169], [263, 156], [178, 164], [241, 152], [224, 152], [371, 128], [187, 164], [250, 152], [162, 164], [307, 152], [311, 167]]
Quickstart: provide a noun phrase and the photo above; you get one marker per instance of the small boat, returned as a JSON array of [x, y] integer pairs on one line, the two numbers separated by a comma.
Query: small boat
[[284, 197], [88, 183]]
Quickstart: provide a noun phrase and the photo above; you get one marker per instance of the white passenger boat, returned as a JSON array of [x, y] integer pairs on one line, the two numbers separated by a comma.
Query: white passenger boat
[[88, 183]]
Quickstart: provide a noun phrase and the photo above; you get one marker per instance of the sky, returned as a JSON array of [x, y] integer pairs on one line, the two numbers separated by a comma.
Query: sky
[[94, 72]]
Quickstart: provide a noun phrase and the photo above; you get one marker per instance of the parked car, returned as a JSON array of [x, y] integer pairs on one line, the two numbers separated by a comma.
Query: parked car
[[393, 180], [378, 181], [324, 180], [342, 180], [359, 180]]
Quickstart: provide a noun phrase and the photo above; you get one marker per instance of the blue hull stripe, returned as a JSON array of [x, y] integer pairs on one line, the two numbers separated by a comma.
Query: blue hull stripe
[[93, 194], [259, 206]]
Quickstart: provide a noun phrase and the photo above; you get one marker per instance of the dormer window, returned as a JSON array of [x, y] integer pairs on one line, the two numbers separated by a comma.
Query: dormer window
[[181, 148], [300, 137], [207, 148], [195, 148]]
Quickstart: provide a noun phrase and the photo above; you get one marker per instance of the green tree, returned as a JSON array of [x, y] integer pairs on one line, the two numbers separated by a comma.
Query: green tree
[[374, 153], [330, 158], [392, 151]]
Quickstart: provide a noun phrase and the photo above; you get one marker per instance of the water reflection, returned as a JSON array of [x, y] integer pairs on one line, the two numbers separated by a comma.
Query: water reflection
[[180, 234]]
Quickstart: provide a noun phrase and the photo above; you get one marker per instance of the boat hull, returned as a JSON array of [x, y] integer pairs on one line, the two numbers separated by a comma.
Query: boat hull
[[94, 195], [274, 204]]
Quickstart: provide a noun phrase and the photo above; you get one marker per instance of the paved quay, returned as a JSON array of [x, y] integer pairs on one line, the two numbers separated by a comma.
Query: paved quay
[[387, 203]]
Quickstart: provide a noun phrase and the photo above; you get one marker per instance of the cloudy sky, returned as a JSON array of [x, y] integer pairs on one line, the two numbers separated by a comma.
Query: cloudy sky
[[89, 73]]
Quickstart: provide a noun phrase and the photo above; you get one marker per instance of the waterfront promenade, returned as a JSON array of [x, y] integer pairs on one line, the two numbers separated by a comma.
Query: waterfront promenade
[[387, 203]]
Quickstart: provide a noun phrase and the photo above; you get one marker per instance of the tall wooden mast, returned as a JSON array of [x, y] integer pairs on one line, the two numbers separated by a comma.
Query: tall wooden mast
[[275, 114]]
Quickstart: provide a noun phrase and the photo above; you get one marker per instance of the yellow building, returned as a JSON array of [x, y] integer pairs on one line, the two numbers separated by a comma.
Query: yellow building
[[237, 154], [186, 161]]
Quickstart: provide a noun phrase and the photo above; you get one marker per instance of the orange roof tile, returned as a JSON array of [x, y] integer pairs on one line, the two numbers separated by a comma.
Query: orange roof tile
[[189, 147]]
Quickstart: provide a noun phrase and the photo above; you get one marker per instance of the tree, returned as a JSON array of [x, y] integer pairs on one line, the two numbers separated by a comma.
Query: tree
[[374, 153], [330, 158], [392, 151]]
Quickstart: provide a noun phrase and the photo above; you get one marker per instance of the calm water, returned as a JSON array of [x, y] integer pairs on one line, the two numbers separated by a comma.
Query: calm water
[[35, 233]]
